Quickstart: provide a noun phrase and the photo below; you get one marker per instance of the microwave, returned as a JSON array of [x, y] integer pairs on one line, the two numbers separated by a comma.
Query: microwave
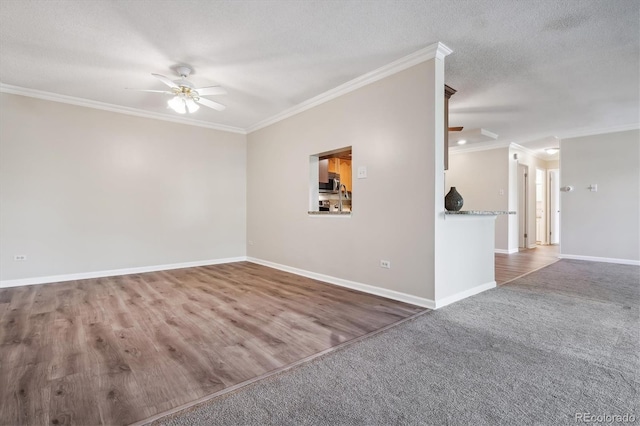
[[332, 185]]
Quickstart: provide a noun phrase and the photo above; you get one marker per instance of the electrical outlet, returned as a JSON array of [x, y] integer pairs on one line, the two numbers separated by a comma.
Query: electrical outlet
[[20, 257], [250, 242], [501, 192], [385, 264]]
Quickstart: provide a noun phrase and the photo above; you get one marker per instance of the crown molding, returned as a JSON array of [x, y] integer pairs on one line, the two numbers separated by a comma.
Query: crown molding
[[576, 134], [579, 133], [530, 151], [48, 96], [437, 50], [482, 147], [567, 135], [498, 145]]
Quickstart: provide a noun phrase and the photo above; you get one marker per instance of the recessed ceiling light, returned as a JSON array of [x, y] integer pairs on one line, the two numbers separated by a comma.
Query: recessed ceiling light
[[551, 151], [462, 142]]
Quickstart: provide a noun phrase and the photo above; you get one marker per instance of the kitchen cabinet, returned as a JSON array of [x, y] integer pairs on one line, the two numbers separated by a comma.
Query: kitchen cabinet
[[345, 173], [343, 168], [323, 168], [334, 167]]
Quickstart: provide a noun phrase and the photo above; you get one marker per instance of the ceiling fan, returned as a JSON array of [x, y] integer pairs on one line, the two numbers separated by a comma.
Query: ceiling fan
[[186, 97]]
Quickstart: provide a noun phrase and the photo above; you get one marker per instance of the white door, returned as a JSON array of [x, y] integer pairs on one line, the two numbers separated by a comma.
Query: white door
[[523, 176], [554, 206]]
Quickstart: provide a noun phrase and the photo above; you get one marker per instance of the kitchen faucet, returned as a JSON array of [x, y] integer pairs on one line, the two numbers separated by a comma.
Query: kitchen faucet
[[346, 195]]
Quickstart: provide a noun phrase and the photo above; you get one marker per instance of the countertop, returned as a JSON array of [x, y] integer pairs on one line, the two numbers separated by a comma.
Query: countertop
[[343, 213], [480, 212], [462, 212]]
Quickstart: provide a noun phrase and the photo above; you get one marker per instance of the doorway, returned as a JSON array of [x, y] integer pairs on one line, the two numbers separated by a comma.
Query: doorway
[[541, 201], [523, 195], [554, 206]]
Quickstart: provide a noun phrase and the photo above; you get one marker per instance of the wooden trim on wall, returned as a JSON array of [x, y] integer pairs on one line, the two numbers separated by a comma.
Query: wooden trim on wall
[[448, 92]]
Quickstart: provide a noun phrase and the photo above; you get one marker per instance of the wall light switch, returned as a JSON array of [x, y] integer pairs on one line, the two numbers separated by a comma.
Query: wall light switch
[[362, 172]]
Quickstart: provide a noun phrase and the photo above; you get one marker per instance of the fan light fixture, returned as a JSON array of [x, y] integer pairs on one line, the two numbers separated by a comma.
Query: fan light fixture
[[181, 104], [192, 106], [551, 151], [184, 96], [177, 104], [462, 142]]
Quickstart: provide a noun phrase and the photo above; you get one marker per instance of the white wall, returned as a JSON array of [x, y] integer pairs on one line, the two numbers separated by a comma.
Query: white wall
[[84, 190], [390, 125], [467, 253], [479, 176], [603, 224]]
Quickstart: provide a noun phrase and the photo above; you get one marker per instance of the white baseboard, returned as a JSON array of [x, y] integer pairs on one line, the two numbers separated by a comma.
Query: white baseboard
[[390, 294], [365, 288], [505, 251], [600, 259], [464, 294], [116, 272]]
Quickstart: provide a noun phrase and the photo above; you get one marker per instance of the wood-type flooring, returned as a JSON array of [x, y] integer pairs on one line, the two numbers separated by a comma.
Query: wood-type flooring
[[511, 266], [117, 350]]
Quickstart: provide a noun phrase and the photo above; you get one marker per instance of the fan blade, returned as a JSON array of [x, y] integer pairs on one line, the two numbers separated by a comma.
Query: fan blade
[[211, 104], [455, 129], [152, 91], [213, 90], [166, 81]]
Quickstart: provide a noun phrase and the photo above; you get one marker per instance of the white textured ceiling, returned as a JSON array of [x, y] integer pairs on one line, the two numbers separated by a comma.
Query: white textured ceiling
[[526, 70]]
